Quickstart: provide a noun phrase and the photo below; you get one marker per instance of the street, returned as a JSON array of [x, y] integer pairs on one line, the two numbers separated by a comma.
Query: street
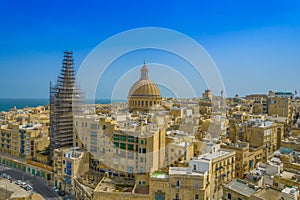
[[39, 185]]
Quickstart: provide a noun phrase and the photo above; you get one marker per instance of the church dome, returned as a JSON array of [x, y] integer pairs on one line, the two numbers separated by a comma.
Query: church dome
[[144, 93], [144, 87]]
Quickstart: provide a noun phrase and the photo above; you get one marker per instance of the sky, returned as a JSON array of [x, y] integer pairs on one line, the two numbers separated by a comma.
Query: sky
[[254, 44]]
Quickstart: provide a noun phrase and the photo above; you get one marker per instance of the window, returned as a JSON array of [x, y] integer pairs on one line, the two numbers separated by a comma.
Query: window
[[130, 155], [177, 184], [142, 170], [177, 196], [94, 126], [123, 137], [122, 154], [159, 195], [93, 134], [129, 169], [229, 196], [197, 197], [195, 167], [130, 139], [239, 198], [123, 145], [116, 137], [130, 146], [93, 149]]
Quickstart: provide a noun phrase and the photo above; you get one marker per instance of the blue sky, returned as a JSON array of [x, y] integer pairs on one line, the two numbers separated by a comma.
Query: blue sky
[[255, 44]]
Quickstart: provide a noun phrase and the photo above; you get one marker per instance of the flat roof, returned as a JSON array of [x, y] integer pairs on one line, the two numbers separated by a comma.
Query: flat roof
[[240, 187], [159, 175], [268, 194], [211, 156], [184, 171]]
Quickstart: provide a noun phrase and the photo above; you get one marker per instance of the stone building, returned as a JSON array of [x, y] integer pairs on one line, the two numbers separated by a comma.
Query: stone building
[[280, 106], [264, 134], [207, 94], [259, 103], [23, 140], [246, 157], [68, 164]]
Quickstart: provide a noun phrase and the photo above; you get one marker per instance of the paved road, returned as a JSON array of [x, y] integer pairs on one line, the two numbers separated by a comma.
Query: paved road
[[39, 185]]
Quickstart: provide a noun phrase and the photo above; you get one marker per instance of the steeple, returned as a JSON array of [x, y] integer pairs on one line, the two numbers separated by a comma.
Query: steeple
[[144, 72]]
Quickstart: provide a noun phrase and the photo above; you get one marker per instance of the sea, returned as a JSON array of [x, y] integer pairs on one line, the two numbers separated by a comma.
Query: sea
[[7, 104]]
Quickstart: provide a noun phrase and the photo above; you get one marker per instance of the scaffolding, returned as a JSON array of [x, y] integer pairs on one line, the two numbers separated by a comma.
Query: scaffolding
[[65, 99]]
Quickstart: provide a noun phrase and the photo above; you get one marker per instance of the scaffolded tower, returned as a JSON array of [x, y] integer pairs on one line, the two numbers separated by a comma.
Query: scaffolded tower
[[64, 100]]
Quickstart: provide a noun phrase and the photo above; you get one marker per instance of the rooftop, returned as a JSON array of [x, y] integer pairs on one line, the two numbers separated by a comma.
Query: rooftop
[[184, 171], [115, 185], [290, 176], [268, 194], [241, 187], [159, 175], [211, 156], [288, 190]]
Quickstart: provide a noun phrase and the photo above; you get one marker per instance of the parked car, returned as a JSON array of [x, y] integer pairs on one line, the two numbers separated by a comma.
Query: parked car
[[23, 185], [18, 182], [61, 193], [4, 175], [55, 189], [8, 177], [28, 187], [67, 197]]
